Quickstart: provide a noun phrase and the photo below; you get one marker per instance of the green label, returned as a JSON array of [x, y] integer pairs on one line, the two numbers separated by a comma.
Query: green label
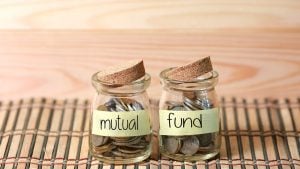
[[121, 124], [188, 122]]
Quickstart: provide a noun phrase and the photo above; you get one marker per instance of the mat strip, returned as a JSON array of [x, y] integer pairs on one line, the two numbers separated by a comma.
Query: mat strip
[[49, 133]]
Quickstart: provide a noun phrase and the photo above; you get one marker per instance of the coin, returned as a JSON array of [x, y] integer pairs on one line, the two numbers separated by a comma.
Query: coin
[[137, 146], [187, 106], [112, 109], [110, 103], [204, 103], [178, 108], [120, 106], [107, 154], [190, 145], [128, 150], [123, 102], [172, 144], [135, 140], [121, 154], [137, 106], [99, 140], [120, 147], [129, 141], [191, 104], [205, 139], [130, 107], [104, 148]]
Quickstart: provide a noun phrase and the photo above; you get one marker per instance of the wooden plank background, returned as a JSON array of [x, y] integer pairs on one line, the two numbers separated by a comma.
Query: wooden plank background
[[154, 14], [51, 48]]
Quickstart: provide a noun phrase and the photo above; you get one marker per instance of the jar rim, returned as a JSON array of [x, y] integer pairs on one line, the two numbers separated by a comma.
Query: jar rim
[[141, 80], [213, 75]]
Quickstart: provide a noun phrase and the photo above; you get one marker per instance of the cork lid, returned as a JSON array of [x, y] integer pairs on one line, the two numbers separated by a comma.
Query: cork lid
[[123, 74], [191, 71]]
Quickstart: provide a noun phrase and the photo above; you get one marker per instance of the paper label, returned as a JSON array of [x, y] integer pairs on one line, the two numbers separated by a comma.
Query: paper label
[[120, 124], [188, 122]]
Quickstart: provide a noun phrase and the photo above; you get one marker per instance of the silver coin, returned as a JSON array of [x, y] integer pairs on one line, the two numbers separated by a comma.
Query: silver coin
[[112, 109], [205, 139], [129, 150], [188, 107], [120, 106], [116, 101], [137, 146], [204, 103], [104, 148], [136, 140], [123, 103], [171, 144], [130, 107], [178, 108], [190, 145], [108, 154], [137, 106], [110, 103], [99, 140], [131, 141], [191, 104], [205, 149], [121, 154], [120, 147]]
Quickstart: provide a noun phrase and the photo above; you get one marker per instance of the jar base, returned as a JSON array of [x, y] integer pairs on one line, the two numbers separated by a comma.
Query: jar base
[[112, 160], [198, 157]]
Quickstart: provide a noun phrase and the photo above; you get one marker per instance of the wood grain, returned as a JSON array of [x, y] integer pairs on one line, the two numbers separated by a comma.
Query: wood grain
[[154, 14], [251, 63]]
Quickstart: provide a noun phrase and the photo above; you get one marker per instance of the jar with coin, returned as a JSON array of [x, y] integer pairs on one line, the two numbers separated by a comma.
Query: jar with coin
[[120, 123], [189, 113]]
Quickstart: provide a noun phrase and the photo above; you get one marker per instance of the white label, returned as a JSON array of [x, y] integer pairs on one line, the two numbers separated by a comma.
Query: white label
[[188, 122], [121, 124]]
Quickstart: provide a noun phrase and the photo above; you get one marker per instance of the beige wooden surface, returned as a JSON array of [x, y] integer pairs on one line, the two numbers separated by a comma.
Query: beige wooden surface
[[51, 48], [153, 14], [60, 63]]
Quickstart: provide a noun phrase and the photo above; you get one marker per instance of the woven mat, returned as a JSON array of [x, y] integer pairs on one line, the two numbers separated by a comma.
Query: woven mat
[[49, 133]]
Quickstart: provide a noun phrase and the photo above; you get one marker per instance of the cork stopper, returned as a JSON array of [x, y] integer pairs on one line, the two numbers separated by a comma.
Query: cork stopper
[[191, 71], [124, 73]]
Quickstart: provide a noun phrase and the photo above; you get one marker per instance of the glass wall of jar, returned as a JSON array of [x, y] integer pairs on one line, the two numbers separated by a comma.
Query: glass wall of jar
[[120, 123], [189, 118]]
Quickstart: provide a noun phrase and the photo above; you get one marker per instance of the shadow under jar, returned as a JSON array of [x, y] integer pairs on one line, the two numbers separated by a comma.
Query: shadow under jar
[[189, 118], [120, 125]]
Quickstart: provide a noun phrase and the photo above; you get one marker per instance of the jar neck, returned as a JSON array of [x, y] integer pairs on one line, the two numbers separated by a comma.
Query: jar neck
[[133, 88], [205, 82]]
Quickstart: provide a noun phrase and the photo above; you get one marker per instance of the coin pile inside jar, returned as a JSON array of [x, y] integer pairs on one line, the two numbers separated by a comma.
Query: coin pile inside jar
[[120, 147], [189, 145]]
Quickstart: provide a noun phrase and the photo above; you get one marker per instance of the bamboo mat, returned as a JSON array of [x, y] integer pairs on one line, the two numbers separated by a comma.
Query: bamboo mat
[[49, 133]]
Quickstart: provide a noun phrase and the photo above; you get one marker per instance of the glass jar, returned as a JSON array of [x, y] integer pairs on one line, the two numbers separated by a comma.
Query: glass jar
[[120, 124], [189, 118]]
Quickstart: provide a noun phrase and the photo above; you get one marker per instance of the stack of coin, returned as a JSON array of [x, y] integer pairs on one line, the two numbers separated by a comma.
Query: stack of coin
[[189, 145], [120, 147]]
